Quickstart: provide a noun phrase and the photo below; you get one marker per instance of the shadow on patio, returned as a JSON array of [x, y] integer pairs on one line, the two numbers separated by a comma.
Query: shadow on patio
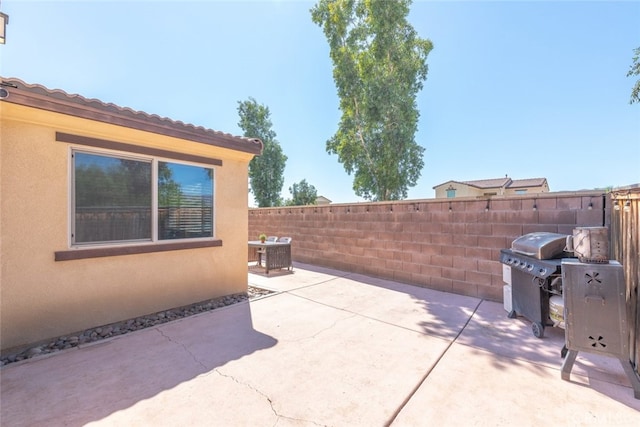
[[90, 383], [339, 349]]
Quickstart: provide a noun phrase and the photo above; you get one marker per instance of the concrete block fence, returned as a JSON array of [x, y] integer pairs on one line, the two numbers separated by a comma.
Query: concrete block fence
[[448, 245]]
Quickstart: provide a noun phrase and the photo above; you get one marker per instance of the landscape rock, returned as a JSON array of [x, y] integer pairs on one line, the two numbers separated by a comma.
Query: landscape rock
[[123, 327]]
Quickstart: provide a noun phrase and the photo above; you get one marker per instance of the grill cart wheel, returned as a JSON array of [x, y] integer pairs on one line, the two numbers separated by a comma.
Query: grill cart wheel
[[512, 314], [538, 329]]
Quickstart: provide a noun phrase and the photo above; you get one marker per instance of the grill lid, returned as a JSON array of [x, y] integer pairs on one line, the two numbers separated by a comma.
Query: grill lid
[[540, 245]]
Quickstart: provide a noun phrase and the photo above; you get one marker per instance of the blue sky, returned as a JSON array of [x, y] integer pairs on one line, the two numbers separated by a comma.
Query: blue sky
[[525, 89]]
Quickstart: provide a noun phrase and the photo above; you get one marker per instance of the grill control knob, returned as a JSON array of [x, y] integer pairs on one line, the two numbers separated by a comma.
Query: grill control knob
[[529, 267], [542, 271]]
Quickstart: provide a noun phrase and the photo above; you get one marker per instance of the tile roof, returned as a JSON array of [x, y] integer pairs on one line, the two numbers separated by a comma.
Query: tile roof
[[531, 182], [505, 182], [489, 183], [38, 96]]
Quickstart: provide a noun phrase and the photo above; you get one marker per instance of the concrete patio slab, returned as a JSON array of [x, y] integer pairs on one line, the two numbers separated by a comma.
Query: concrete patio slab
[[285, 280], [490, 329], [327, 348], [334, 367], [422, 310], [470, 386]]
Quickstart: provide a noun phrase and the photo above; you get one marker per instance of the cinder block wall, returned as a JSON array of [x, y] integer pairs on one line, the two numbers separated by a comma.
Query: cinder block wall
[[449, 245]]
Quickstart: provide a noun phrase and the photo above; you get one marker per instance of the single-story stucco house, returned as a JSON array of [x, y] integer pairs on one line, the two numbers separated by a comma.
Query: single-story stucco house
[[108, 213]]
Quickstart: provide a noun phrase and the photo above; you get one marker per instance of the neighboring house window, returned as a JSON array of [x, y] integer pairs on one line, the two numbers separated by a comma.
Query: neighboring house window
[[115, 199], [523, 191], [451, 192]]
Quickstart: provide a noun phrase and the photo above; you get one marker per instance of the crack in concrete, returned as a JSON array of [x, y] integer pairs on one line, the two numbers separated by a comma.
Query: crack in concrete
[[268, 399], [333, 325], [433, 365], [184, 347]]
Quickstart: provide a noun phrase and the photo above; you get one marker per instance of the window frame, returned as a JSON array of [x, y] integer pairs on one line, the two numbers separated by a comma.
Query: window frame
[[128, 247], [72, 197], [156, 201]]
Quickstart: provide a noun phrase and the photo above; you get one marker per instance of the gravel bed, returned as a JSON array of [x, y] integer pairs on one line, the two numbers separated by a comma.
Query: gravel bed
[[126, 326]]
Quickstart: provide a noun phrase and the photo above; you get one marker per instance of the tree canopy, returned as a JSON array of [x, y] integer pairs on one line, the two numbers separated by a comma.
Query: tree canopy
[[634, 70], [302, 193], [266, 172], [379, 66]]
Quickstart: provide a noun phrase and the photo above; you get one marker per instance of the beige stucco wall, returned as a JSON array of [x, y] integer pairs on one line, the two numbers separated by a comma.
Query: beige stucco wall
[[41, 298], [461, 190]]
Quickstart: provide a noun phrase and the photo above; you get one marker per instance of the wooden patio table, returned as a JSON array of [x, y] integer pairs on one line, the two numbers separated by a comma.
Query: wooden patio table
[[274, 255]]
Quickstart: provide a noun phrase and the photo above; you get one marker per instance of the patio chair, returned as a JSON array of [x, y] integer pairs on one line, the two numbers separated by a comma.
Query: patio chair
[[272, 239], [284, 240]]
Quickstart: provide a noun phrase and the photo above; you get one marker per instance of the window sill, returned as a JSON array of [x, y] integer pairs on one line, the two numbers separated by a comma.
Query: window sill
[[132, 250]]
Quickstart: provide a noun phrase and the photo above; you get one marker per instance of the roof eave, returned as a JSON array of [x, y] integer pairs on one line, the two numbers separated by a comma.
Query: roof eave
[[39, 97]]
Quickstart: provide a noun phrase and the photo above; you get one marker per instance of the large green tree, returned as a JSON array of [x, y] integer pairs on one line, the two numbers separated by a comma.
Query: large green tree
[[634, 70], [379, 66], [302, 194], [266, 172]]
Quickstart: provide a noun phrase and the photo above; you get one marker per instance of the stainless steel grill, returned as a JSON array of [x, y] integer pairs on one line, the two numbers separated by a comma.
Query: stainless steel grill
[[593, 307], [535, 266]]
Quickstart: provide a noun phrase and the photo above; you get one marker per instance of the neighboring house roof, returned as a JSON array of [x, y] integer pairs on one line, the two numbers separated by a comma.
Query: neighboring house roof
[[505, 182], [322, 200], [531, 182], [38, 96]]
